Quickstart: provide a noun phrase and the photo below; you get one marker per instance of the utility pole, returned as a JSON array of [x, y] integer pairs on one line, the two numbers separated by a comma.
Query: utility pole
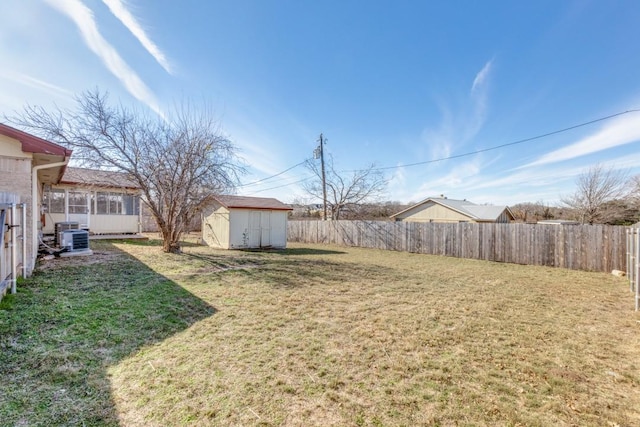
[[319, 153]]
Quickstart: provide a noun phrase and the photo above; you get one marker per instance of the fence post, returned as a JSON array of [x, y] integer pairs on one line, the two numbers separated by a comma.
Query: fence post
[[23, 229], [14, 250], [630, 258], [636, 266]]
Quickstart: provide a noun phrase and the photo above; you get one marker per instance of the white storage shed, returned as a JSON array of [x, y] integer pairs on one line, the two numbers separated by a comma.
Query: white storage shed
[[237, 222]]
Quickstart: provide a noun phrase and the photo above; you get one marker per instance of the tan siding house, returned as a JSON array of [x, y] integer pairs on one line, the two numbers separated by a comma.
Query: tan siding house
[[444, 210], [27, 165], [102, 202], [35, 177], [236, 222]]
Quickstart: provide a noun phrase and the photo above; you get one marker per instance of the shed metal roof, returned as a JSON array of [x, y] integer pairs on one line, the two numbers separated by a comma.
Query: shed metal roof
[[243, 202]]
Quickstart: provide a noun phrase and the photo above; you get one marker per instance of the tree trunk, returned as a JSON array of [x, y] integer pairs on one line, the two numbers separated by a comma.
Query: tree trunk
[[170, 241]]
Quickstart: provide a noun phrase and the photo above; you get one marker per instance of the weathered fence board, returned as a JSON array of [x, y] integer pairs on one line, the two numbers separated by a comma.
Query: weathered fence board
[[578, 247]]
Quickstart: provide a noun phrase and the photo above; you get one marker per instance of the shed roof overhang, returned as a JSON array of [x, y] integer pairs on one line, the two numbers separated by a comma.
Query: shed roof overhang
[[242, 202]]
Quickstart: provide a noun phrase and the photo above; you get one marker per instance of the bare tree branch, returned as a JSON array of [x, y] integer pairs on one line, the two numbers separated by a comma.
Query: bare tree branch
[[178, 162], [594, 189], [347, 190]]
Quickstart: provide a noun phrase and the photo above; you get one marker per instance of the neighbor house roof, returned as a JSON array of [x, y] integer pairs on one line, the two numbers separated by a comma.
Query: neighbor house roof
[[465, 207], [242, 202], [33, 144], [97, 178]]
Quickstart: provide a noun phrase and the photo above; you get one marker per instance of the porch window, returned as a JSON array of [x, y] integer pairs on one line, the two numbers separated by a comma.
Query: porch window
[[116, 204], [102, 203], [54, 199], [131, 204], [77, 202]]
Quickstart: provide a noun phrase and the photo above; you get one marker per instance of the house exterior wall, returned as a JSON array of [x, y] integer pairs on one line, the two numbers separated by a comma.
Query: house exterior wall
[[15, 184], [97, 223], [10, 147], [504, 217], [433, 212]]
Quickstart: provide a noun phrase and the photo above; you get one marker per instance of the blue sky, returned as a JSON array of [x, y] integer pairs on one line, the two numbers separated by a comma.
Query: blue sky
[[387, 82]]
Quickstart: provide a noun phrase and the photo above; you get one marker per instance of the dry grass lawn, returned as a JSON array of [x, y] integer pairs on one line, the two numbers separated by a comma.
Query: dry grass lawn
[[316, 335]]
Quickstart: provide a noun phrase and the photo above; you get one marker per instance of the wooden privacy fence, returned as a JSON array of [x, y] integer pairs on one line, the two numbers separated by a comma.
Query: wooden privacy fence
[[578, 247], [633, 262]]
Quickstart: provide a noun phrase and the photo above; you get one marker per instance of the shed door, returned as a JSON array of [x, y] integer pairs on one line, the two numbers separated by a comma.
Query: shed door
[[259, 229], [265, 226]]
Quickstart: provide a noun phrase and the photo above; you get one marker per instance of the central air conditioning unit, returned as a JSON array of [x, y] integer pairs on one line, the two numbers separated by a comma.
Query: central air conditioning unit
[[74, 240], [59, 227]]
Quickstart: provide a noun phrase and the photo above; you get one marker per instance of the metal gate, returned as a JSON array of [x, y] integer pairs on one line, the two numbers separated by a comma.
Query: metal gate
[[13, 248]]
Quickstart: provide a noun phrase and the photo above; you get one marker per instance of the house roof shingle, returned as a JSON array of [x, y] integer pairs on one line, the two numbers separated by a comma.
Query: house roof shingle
[[243, 202], [97, 178]]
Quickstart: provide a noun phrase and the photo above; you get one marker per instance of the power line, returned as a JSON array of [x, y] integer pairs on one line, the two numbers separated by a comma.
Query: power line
[[483, 150], [521, 141], [273, 176], [284, 185]]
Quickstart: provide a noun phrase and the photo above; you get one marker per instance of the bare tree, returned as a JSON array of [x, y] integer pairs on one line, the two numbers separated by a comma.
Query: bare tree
[[634, 190], [179, 161], [532, 212], [595, 189], [346, 190]]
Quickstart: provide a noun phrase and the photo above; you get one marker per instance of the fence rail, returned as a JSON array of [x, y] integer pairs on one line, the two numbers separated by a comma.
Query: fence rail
[[577, 247]]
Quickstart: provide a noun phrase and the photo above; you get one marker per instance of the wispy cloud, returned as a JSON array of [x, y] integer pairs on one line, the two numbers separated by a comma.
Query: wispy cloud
[[120, 11], [84, 19], [624, 130], [479, 99], [460, 125], [397, 188], [35, 83], [481, 77]]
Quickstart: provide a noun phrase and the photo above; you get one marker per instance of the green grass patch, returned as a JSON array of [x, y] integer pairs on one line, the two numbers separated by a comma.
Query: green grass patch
[[315, 335]]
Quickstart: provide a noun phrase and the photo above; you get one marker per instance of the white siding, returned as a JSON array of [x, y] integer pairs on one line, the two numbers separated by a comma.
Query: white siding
[[244, 228], [215, 227], [239, 229], [279, 229]]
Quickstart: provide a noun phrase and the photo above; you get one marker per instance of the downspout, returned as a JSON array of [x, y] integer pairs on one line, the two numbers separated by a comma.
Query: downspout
[[34, 198]]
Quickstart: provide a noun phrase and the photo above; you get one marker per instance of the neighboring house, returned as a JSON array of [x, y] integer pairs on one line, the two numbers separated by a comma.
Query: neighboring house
[[102, 202], [235, 222], [27, 164], [558, 222], [442, 209]]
